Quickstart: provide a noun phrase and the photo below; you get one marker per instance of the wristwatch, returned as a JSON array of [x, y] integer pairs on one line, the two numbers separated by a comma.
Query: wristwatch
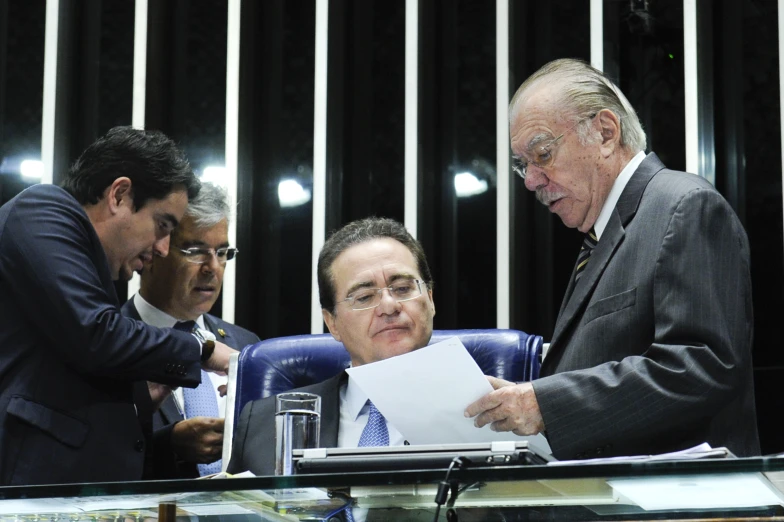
[[207, 345]]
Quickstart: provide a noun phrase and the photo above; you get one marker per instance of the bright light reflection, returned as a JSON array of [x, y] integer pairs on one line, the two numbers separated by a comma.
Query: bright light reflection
[[292, 194], [466, 184], [32, 169], [214, 174]]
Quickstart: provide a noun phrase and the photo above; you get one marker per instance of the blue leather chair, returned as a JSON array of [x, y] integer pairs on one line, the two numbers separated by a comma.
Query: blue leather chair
[[277, 365], [281, 364]]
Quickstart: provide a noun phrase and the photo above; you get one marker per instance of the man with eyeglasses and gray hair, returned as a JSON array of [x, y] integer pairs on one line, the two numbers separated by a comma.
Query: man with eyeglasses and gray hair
[[651, 351], [178, 291], [376, 297]]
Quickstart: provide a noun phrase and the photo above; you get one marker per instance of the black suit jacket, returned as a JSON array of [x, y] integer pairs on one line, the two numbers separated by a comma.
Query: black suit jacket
[[253, 447], [68, 357], [164, 463], [651, 351]]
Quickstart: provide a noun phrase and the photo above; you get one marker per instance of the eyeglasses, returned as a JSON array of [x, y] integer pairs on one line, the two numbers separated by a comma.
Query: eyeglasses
[[402, 290], [542, 153], [199, 255]]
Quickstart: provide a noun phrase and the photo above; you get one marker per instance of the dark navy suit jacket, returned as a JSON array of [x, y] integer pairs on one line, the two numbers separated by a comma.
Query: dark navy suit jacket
[[68, 357], [164, 463]]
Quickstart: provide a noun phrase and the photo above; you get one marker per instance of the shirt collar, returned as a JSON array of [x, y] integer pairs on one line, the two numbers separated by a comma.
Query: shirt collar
[[355, 399], [155, 317], [615, 193]]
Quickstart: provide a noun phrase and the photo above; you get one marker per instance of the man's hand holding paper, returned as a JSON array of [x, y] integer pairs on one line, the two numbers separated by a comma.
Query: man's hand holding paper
[[437, 383], [510, 407]]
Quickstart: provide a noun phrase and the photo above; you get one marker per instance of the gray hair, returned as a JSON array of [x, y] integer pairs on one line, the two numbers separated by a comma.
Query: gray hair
[[586, 91], [210, 206]]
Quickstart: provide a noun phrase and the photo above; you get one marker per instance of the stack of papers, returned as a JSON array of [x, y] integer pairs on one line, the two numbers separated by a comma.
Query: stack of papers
[[701, 451]]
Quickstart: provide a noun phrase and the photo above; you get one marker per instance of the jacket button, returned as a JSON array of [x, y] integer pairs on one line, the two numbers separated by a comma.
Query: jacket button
[[139, 446]]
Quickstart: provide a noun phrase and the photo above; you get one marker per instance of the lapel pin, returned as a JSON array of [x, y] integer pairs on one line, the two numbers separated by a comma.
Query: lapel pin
[[221, 332]]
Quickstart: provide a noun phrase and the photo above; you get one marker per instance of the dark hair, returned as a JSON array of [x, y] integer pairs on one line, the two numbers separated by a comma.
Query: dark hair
[[152, 161], [358, 232]]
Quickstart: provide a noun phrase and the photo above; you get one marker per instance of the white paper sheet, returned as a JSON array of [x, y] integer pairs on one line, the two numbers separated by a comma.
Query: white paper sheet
[[697, 492], [701, 451], [425, 392]]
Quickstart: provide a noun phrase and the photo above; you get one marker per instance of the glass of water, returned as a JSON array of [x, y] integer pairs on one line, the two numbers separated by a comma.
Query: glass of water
[[297, 426]]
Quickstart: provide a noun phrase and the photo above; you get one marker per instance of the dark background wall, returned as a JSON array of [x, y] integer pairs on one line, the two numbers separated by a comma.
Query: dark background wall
[[740, 131]]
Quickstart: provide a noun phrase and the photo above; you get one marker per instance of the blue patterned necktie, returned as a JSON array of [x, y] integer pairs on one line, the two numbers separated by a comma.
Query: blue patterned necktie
[[375, 432], [200, 401]]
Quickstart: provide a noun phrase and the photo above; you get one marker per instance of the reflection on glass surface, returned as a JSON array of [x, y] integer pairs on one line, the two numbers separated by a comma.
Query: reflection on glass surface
[[644, 53], [292, 194], [21, 89], [115, 77], [475, 223], [543, 249], [276, 145], [466, 185], [713, 489], [32, 170], [214, 174]]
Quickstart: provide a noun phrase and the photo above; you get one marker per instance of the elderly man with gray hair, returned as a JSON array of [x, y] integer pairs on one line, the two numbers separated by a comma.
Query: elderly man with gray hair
[[177, 291], [651, 351]]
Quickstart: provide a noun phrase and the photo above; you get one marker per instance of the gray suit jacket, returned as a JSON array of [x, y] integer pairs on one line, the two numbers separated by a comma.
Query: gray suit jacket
[[652, 348], [253, 447], [164, 463]]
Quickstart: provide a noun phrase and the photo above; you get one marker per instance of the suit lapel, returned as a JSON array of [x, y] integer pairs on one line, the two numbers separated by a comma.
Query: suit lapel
[[221, 334], [330, 410], [578, 295], [581, 292]]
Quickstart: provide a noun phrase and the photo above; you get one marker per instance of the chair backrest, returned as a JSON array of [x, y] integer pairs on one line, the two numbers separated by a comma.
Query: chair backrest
[[277, 365]]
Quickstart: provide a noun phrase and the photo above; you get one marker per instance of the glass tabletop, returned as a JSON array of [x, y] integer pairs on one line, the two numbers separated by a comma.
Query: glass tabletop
[[710, 489]]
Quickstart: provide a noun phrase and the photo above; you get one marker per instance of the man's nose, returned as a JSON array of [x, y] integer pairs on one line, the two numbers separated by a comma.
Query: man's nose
[[388, 305], [161, 247], [534, 178], [212, 265]]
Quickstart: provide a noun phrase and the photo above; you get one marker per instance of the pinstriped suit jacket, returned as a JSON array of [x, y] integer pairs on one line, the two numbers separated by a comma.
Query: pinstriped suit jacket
[[652, 347]]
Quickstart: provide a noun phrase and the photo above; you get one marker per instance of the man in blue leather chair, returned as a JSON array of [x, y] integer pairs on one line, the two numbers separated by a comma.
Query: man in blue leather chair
[[376, 297], [182, 287]]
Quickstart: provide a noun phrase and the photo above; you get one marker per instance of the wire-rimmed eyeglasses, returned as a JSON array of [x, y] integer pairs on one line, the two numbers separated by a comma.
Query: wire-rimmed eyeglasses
[[542, 153], [201, 255], [401, 290]]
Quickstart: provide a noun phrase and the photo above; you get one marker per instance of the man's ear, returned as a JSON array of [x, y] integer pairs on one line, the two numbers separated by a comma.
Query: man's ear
[[329, 319], [119, 194], [432, 303], [610, 128]]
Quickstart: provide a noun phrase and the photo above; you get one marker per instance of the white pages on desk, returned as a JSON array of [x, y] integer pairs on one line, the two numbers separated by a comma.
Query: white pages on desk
[[701, 451], [425, 392]]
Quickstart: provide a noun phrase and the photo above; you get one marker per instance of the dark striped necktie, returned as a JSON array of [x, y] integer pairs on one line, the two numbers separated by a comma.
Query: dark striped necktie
[[585, 253]]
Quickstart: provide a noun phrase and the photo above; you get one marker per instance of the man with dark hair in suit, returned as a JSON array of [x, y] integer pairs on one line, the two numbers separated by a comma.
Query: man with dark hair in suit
[[376, 298], [651, 351], [68, 358], [175, 290]]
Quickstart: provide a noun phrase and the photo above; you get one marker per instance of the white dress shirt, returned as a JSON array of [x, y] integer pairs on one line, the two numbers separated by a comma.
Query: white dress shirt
[[354, 415], [615, 193], [155, 317]]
